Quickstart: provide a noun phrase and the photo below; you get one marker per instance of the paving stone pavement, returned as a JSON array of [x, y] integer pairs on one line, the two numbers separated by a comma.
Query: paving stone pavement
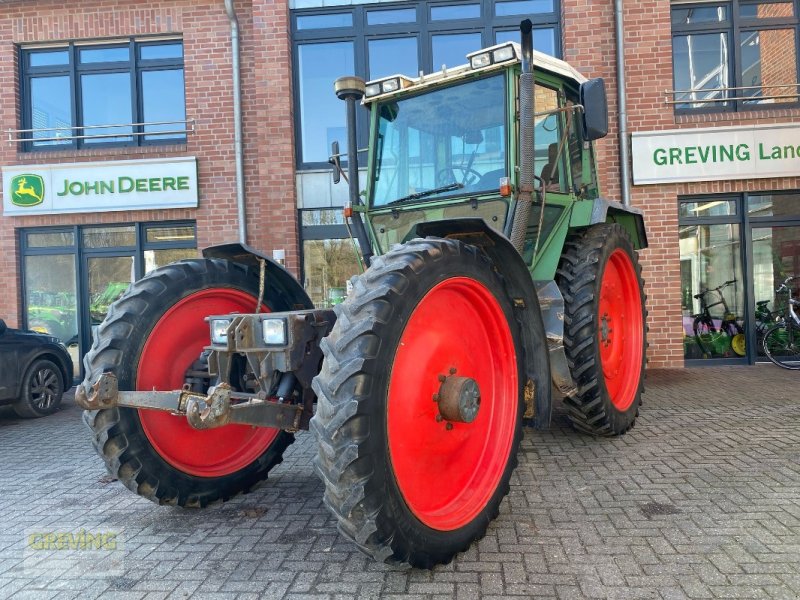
[[700, 500]]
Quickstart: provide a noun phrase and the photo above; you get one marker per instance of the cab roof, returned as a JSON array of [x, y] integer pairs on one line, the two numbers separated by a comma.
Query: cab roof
[[541, 61]]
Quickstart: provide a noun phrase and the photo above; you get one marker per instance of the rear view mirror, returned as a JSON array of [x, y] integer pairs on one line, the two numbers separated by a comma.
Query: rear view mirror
[[595, 109], [3, 326], [337, 164]]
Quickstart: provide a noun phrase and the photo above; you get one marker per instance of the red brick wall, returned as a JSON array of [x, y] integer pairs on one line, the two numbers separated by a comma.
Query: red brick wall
[[268, 130], [588, 43]]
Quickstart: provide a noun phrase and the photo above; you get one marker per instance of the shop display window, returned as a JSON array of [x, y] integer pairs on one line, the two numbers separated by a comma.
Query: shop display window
[[735, 251], [712, 286]]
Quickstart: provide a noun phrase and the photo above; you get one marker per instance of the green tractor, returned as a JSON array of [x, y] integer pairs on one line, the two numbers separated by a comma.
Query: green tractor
[[496, 273]]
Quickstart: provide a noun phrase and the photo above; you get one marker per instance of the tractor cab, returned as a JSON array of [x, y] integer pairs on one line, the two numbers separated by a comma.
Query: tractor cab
[[446, 146]]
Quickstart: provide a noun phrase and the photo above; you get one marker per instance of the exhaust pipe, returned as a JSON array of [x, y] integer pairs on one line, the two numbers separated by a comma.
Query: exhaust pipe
[[351, 90], [526, 151]]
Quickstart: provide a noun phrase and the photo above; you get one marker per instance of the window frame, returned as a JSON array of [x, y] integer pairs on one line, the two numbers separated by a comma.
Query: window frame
[[360, 33], [734, 27], [74, 69]]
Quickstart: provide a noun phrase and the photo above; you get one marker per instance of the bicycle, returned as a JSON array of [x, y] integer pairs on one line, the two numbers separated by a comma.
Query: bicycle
[[782, 341], [764, 319], [729, 335]]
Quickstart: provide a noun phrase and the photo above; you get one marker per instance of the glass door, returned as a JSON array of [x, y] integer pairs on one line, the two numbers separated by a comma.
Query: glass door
[[106, 277], [51, 300]]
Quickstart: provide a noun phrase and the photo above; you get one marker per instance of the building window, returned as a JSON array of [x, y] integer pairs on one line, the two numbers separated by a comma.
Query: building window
[[121, 93], [330, 256], [375, 40], [735, 55]]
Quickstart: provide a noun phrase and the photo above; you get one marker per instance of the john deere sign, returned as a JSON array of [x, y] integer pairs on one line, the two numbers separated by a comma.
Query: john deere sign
[[717, 153], [100, 186]]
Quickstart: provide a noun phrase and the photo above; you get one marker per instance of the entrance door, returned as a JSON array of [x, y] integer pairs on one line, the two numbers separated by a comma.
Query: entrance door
[[105, 278], [776, 256]]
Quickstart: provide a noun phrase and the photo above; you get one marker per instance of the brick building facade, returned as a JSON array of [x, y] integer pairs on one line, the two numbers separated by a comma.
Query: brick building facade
[[280, 180]]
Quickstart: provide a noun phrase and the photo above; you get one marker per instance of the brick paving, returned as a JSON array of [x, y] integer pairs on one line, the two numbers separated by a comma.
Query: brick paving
[[700, 500]]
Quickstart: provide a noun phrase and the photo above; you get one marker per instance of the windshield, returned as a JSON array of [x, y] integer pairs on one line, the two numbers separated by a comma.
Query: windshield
[[446, 142]]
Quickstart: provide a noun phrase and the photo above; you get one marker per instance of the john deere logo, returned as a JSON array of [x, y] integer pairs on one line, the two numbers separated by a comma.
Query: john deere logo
[[27, 190]]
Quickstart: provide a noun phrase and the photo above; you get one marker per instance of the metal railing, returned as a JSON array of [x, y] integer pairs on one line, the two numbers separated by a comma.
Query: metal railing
[[19, 135], [727, 96]]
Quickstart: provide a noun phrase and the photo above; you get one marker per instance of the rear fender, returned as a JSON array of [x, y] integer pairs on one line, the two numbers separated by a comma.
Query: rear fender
[[601, 210], [523, 293], [281, 288]]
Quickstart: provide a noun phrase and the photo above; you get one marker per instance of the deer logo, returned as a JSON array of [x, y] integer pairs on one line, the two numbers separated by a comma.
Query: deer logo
[[27, 190]]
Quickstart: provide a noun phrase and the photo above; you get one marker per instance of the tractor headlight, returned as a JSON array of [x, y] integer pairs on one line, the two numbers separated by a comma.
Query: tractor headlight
[[494, 55], [387, 85], [274, 332], [480, 60], [503, 54], [390, 85], [219, 331]]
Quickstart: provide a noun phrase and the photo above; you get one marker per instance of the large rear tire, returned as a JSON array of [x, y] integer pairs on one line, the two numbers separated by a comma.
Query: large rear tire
[[406, 485], [605, 332], [152, 335]]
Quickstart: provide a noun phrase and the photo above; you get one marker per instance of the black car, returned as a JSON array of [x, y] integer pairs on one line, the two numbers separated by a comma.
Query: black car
[[35, 369]]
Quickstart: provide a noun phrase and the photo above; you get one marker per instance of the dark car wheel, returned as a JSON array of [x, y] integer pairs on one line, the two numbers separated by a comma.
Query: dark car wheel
[[42, 389]]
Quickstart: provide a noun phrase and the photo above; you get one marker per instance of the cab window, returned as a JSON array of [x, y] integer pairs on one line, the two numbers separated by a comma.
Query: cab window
[[580, 154], [549, 151]]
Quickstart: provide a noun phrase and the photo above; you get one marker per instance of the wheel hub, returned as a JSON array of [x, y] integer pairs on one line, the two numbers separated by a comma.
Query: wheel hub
[[459, 399]]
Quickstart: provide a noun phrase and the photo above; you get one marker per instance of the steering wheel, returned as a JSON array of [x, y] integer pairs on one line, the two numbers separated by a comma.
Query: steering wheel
[[469, 176]]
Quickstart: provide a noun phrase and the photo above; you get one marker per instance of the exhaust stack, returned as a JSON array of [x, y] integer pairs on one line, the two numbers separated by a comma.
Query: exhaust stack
[[526, 156], [351, 90]]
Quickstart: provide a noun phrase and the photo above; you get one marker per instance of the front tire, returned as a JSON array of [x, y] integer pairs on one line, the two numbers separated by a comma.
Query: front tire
[[782, 346], [151, 336], [42, 390], [605, 332], [406, 485]]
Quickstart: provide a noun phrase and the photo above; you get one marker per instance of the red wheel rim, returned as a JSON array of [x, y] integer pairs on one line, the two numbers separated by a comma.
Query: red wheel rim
[[174, 344], [448, 476], [621, 329]]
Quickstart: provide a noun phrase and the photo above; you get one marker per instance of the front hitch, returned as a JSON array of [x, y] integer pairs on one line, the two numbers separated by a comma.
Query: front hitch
[[222, 406], [276, 371]]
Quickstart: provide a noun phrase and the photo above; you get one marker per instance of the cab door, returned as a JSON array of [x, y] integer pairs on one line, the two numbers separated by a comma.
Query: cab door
[[551, 166]]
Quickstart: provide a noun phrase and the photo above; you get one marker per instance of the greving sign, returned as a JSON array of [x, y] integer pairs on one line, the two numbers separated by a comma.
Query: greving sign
[[719, 153]]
